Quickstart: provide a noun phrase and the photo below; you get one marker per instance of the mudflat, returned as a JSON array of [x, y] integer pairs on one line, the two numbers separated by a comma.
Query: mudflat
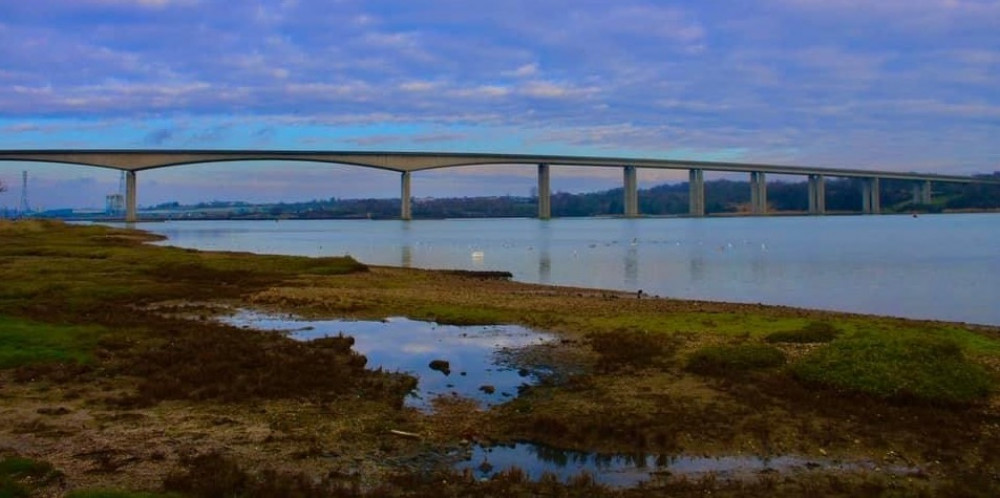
[[117, 379]]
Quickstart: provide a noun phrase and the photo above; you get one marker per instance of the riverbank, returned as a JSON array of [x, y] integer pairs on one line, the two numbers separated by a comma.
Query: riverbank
[[116, 374]]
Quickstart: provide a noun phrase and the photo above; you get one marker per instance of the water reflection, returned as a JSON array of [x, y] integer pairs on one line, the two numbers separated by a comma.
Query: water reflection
[[626, 470], [477, 366], [632, 265], [406, 256]]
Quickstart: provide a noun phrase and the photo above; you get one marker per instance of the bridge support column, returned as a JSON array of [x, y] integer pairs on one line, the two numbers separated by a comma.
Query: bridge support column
[[758, 192], [817, 194], [130, 195], [870, 199], [922, 192], [696, 192], [631, 184], [544, 193], [405, 212]]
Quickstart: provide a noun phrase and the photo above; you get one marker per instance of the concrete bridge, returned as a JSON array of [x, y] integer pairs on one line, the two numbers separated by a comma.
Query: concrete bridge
[[134, 161]]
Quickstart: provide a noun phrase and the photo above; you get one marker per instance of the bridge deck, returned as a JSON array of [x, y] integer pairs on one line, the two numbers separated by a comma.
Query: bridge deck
[[139, 160]]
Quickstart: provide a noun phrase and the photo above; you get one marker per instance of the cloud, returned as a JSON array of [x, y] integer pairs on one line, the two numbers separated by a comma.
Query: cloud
[[159, 137], [523, 71], [799, 80], [157, 4]]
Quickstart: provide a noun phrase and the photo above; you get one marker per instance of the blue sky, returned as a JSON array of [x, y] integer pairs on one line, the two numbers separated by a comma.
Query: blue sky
[[908, 85]]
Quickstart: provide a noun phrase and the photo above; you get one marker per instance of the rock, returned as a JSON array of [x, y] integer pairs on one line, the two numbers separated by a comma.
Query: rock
[[488, 389], [441, 366]]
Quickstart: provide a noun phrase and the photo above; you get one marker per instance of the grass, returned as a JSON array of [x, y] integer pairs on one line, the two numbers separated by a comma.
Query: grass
[[731, 360], [814, 332], [19, 476], [632, 349], [25, 342], [923, 368], [53, 271]]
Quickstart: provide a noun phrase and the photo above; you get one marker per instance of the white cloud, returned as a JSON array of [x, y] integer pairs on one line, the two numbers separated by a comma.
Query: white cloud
[[158, 4], [418, 86], [554, 90], [523, 71]]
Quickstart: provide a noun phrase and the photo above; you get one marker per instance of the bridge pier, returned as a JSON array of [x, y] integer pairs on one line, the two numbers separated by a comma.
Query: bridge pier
[[870, 199], [758, 193], [544, 193], [631, 184], [405, 212], [131, 215], [817, 194], [922, 192], [696, 192]]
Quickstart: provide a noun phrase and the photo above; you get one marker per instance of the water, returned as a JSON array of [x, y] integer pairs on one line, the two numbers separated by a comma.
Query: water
[[941, 267], [475, 354], [621, 470]]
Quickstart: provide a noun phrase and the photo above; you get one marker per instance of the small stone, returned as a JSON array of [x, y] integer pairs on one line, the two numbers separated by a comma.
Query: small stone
[[488, 389], [441, 366]]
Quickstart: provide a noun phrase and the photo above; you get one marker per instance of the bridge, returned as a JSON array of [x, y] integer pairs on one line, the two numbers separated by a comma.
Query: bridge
[[134, 161]]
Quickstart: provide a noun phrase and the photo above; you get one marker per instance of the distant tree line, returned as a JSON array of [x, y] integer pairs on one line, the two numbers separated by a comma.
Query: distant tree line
[[721, 197]]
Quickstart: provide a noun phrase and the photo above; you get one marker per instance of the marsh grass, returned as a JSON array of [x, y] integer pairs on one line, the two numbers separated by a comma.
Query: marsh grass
[[446, 314], [25, 342], [73, 294], [734, 360], [814, 332], [211, 362], [634, 400], [921, 368], [20, 476], [627, 349]]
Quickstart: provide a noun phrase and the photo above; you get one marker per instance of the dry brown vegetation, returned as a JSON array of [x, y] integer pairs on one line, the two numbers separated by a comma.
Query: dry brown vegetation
[[158, 397]]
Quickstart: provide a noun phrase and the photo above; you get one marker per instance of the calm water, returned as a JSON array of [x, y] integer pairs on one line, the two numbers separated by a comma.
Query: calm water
[[944, 267], [477, 366], [620, 470]]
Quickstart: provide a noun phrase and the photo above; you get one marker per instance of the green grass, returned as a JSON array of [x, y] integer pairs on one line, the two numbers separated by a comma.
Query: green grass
[[905, 366], [446, 314], [17, 473], [730, 360], [25, 342], [812, 333]]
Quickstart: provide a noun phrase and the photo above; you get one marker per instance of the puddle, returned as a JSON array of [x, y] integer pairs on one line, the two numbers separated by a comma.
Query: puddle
[[477, 367], [621, 470]]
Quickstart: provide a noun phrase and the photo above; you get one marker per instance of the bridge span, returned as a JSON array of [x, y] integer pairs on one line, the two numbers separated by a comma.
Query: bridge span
[[134, 161]]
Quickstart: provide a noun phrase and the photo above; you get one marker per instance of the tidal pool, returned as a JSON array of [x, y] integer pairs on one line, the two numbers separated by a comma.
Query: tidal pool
[[477, 366], [624, 470]]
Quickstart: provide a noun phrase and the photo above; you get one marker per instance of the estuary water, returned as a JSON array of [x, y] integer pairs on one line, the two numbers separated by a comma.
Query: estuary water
[[940, 267]]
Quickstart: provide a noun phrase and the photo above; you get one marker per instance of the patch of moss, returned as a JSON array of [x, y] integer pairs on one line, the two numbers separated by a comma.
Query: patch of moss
[[922, 368], [729, 360]]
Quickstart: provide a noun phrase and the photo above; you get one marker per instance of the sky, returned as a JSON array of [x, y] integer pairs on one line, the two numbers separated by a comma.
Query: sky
[[901, 85]]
